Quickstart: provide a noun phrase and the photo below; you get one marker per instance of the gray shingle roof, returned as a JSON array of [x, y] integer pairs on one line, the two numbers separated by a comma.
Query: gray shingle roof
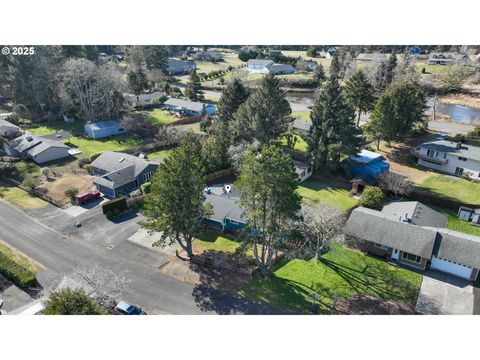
[[259, 62], [416, 212], [117, 178], [34, 145], [7, 124], [225, 206], [280, 67], [185, 104], [372, 225], [111, 161], [467, 151], [458, 247], [301, 124]]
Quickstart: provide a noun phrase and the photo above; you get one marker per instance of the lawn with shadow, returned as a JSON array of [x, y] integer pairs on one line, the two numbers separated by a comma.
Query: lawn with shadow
[[324, 193], [341, 273]]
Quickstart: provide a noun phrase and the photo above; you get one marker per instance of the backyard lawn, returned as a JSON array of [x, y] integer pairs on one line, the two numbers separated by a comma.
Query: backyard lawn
[[342, 273], [161, 117], [452, 188], [320, 192], [300, 144], [304, 115], [20, 197], [160, 154], [454, 223]]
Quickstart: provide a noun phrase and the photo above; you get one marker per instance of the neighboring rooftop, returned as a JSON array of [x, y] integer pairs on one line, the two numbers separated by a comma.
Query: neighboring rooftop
[[260, 62], [365, 156], [111, 161], [451, 147], [184, 104], [8, 124], [415, 212], [34, 144], [105, 124], [225, 206], [301, 124]]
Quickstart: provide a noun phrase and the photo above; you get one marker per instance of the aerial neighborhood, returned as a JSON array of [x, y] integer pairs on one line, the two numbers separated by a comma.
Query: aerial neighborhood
[[317, 179]]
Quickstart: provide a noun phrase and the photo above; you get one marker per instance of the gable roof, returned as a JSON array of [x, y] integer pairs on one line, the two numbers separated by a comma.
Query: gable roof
[[111, 161], [33, 145], [451, 147], [179, 63], [225, 206], [416, 213], [5, 123], [260, 62], [372, 225], [185, 104], [280, 67], [458, 247], [105, 124]]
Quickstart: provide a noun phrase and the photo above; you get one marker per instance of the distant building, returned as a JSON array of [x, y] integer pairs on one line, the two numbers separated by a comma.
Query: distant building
[[279, 69], [8, 130], [207, 56], [306, 65], [37, 148], [450, 157], [275, 52], [180, 67], [303, 170], [135, 101], [368, 164], [103, 129], [441, 59], [189, 108], [414, 50], [258, 65], [118, 173], [373, 57]]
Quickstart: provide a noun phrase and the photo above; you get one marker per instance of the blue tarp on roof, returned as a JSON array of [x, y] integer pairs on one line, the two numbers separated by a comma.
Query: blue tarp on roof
[[373, 169]]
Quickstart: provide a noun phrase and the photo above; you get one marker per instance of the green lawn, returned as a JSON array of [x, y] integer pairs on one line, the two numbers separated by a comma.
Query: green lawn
[[300, 144], [160, 154], [342, 273], [452, 188], [20, 197], [319, 192], [161, 117], [304, 115], [19, 258], [454, 223], [216, 242]]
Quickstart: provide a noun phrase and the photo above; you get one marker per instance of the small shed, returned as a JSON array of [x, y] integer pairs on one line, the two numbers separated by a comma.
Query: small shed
[[367, 162], [103, 129]]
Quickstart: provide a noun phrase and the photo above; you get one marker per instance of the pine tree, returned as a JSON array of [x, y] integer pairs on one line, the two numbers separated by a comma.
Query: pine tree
[[333, 133], [359, 92], [193, 91], [381, 125], [390, 68], [233, 95], [335, 66], [264, 115], [137, 80], [319, 75]]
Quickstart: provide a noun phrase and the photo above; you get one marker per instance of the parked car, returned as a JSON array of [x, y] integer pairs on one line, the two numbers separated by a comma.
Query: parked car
[[124, 308], [87, 197]]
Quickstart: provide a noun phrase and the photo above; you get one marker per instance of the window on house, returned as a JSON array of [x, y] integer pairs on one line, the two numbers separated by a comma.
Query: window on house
[[411, 257], [462, 158], [381, 246], [444, 155], [459, 171], [430, 153], [147, 176], [233, 222]]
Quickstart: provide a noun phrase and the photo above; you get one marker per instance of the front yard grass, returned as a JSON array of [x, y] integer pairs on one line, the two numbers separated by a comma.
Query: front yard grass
[[216, 242], [324, 193], [453, 188], [160, 154], [341, 273], [20, 197]]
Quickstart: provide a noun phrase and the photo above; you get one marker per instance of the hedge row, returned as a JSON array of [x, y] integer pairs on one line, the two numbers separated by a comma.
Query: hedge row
[[16, 273]]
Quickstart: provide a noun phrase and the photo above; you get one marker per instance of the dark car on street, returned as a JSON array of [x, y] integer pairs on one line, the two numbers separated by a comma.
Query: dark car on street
[[124, 308]]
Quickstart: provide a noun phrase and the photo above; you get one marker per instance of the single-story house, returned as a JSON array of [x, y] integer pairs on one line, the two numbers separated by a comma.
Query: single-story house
[[372, 57], [118, 173], [7, 129], [306, 65], [143, 99], [189, 108], [304, 171], [369, 163], [441, 59], [227, 214], [103, 129], [275, 52], [450, 157], [258, 65], [37, 148], [180, 67], [279, 69], [330, 52], [207, 56], [412, 234]]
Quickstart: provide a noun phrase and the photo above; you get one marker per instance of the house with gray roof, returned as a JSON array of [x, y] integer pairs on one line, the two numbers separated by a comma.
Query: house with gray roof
[[104, 129], [227, 213], [449, 157], [280, 69], [135, 101], [258, 65], [180, 67], [41, 149], [414, 235], [118, 173], [189, 108], [8, 130]]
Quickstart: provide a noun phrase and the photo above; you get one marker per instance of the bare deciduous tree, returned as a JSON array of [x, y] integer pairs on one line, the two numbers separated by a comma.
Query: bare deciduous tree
[[396, 184]]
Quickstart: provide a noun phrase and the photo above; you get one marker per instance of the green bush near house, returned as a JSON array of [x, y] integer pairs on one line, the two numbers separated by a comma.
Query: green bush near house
[[16, 273], [115, 206], [372, 198]]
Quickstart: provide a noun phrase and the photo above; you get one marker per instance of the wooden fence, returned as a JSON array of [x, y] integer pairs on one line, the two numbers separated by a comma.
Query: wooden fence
[[221, 174]]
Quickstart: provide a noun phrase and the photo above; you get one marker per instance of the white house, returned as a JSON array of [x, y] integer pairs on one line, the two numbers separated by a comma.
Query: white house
[[41, 149], [450, 157], [304, 171], [279, 69], [255, 65]]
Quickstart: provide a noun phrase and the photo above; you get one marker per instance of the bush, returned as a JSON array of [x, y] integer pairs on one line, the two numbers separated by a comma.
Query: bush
[[372, 198], [16, 273], [71, 302], [88, 168], [94, 157], [146, 187], [84, 161], [119, 204], [136, 193], [71, 192], [30, 183]]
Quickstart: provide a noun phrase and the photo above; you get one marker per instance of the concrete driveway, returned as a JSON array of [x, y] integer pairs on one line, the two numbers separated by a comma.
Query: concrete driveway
[[443, 294]]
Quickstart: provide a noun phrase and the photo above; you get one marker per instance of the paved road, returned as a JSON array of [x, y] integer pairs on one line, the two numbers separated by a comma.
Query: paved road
[[61, 254]]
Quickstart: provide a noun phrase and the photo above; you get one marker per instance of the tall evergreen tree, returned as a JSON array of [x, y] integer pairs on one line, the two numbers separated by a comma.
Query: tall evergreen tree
[[233, 95], [359, 92], [333, 133], [381, 125], [335, 66], [267, 183], [264, 116], [319, 75], [174, 207], [137, 80], [390, 68], [194, 88]]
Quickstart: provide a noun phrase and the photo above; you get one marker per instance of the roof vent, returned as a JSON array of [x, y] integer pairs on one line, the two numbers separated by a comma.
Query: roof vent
[[29, 138], [121, 159]]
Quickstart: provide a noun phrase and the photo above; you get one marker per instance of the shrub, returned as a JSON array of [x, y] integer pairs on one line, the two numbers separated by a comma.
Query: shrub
[[146, 187], [136, 193], [88, 168], [16, 273], [30, 183], [372, 198], [119, 204], [93, 157], [71, 192], [71, 302]]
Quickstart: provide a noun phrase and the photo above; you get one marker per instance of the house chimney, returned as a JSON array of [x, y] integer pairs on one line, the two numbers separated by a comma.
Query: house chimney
[[459, 145]]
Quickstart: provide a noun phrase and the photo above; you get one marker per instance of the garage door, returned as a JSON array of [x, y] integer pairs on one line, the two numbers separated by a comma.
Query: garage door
[[451, 268]]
